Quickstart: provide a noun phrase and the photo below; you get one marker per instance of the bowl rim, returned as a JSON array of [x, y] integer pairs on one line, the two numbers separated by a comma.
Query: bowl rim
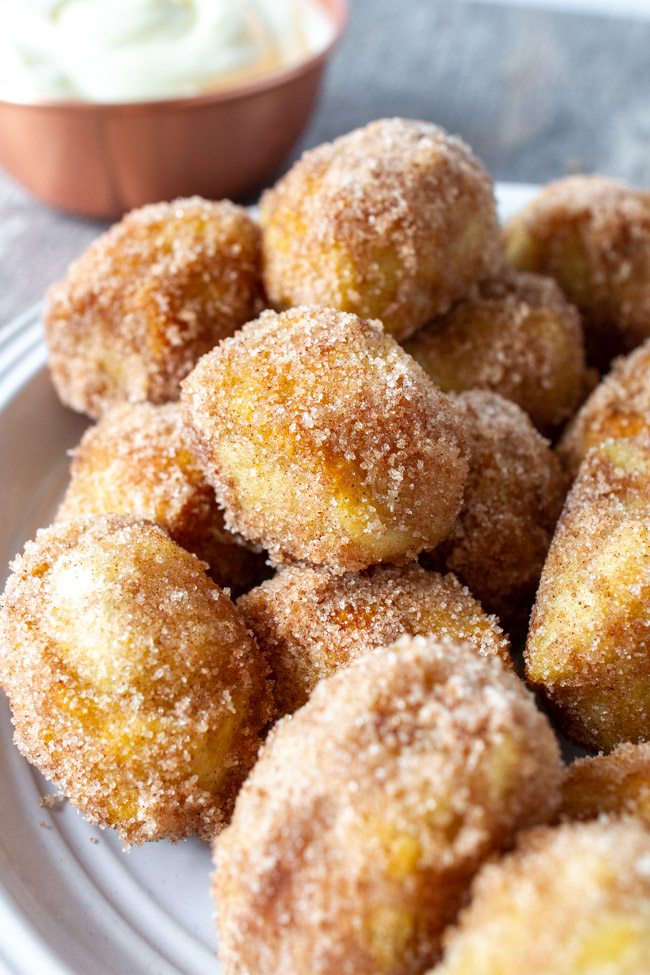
[[337, 9]]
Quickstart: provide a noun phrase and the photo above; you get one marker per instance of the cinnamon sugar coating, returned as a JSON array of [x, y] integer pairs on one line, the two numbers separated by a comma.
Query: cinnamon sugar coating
[[574, 900], [148, 298], [614, 784], [588, 648], [134, 684], [369, 810], [618, 407], [516, 335], [309, 623], [394, 221], [513, 497], [139, 458], [325, 441], [593, 236]]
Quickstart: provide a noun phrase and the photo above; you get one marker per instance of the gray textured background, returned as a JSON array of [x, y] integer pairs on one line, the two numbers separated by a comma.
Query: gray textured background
[[536, 93]]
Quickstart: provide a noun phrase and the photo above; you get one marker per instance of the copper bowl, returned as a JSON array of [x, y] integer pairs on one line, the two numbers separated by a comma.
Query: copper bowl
[[100, 160]]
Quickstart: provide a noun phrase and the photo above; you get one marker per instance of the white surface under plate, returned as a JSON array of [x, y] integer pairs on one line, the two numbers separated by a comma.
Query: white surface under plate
[[71, 902]]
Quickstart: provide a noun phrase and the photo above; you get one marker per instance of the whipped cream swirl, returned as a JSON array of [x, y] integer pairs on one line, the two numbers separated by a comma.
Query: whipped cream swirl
[[134, 50]]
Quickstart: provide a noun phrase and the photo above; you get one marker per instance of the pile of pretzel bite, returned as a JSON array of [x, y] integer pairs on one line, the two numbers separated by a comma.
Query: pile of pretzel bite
[[344, 459]]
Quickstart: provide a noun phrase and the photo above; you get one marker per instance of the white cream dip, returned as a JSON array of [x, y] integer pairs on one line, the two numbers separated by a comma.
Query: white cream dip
[[137, 50]]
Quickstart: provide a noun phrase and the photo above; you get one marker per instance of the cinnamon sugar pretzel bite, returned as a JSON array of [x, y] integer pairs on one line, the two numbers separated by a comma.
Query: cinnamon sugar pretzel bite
[[516, 335], [325, 441], [309, 623], [139, 458], [134, 684], [394, 221], [148, 298], [574, 900], [370, 809], [593, 236]]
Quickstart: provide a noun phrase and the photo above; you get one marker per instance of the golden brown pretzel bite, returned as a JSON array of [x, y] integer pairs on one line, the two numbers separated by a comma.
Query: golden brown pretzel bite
[[310, 623], [618, 783], [513, 497], [370, 808], [618, 407], [133, 681], [394, 221], [325, 441], [516, 335], [593, 236], [150, 296], [588, 649], [139, 458], [574, 900]]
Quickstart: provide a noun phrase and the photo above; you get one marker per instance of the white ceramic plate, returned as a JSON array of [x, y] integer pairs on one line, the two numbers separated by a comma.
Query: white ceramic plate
[[71, 902]]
